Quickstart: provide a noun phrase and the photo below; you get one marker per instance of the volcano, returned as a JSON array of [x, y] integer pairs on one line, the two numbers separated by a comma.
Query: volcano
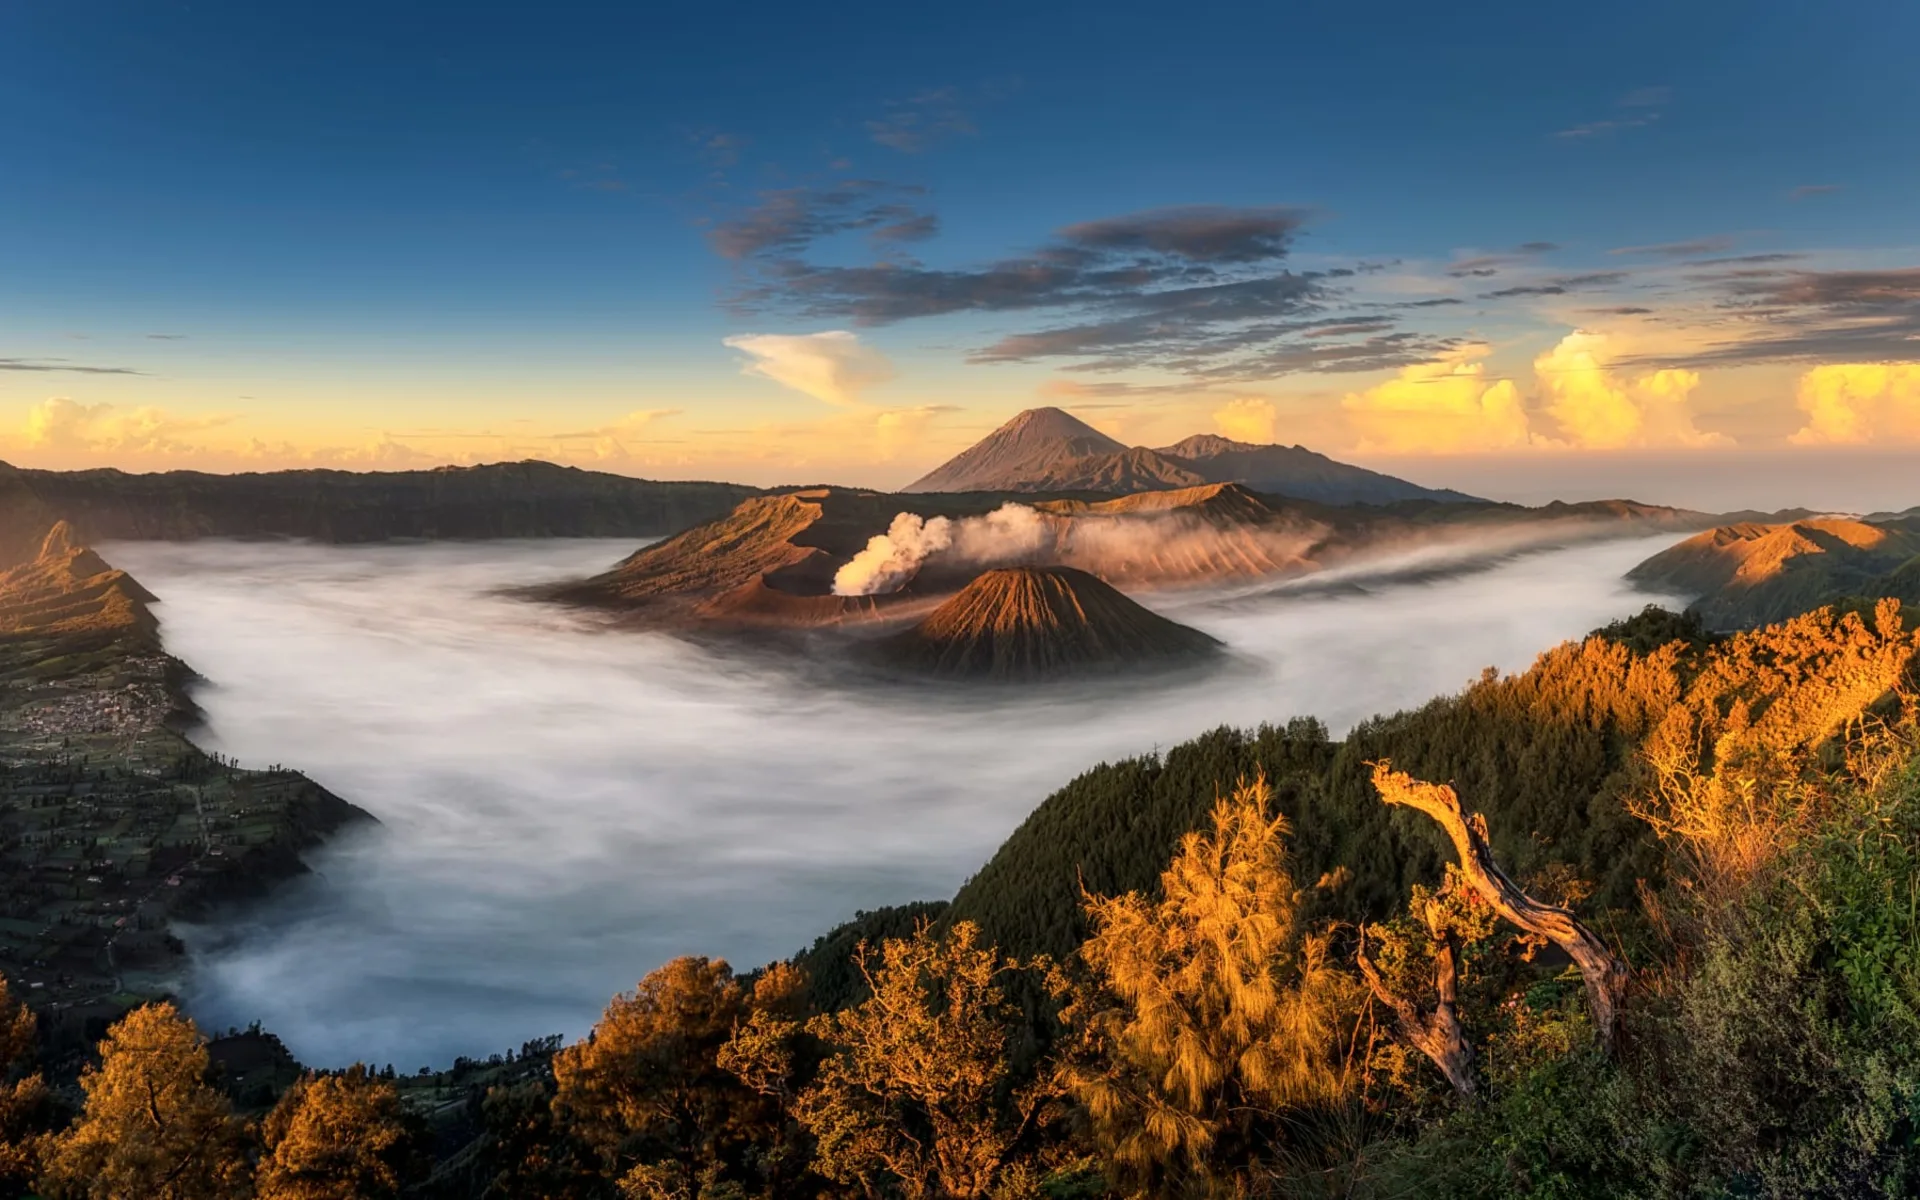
[[1043, 450], [1025, 623], [1047, 450]]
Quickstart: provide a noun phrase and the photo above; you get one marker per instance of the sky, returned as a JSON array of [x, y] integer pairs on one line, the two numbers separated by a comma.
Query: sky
[[1527, 250]]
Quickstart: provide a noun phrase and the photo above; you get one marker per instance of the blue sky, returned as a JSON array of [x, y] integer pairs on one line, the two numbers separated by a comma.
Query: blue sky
[[403, 233]]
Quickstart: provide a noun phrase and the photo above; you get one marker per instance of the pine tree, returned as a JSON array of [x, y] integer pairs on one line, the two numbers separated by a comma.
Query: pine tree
[[152, 1127], [646, 1091], [917, 1092], [337, 1137], [1211, 1011], [25, 1105]]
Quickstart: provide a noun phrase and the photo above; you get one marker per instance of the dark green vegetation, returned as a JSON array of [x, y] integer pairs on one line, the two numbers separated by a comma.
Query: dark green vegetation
[[525, 499], [1047, 450], [1755, 573], [1547, 764], [1028, 623]]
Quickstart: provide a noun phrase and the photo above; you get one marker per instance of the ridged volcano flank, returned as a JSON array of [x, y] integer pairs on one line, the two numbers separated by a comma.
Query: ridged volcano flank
[[1034, 622]]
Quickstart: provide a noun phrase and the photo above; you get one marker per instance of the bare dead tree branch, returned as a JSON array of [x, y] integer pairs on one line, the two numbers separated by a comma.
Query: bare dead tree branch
[[1605, 974], [1435, 1033]]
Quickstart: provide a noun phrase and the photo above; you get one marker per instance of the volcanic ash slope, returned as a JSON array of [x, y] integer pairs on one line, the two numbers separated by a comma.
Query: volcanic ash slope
[[1025, 623]]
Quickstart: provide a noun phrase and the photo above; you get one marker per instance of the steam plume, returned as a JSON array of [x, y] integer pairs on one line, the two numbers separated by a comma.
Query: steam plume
[[1009, 534]]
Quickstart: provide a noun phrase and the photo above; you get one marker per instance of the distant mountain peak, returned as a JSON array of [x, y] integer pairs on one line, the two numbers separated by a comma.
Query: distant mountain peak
[[1206, 445], [1031, 446], [1048, 450], [1052, 423]]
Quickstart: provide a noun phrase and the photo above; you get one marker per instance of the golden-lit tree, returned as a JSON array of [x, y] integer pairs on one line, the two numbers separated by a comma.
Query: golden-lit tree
[[337, 1137], [153, 1127], [646, 1090], [917, 1090], [772, 1053], [24, 1101], [1736, 770], [1212, 1011], [764, 1051]]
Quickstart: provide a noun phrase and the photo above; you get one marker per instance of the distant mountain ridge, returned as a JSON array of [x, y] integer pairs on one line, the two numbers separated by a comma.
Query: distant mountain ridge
[[1048, 450], [520, 499]]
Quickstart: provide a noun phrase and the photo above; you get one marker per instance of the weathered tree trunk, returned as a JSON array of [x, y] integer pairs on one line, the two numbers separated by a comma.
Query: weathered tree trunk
[[1605, 974], [1436, 1034]]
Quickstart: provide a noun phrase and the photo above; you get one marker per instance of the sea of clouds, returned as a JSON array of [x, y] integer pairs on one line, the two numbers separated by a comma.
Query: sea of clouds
[[563, 807]]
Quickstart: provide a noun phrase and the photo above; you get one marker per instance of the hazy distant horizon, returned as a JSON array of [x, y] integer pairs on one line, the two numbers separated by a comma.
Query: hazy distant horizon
[[1859, 480]]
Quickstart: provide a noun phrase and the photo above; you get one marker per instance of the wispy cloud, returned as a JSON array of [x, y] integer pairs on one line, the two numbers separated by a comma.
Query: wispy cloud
[[718, 149], [1646, 97], [1483, 264], [1202, 291], [920, 121], [61, 364], [1634, 110], [1775, 313], [785, 222], [1558, 286], [1691, 248]]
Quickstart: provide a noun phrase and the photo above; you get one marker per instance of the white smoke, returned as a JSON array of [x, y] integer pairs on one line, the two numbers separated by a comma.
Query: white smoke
[[1011, 533]]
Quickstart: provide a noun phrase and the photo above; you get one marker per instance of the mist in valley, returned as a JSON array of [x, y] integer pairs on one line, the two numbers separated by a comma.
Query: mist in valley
[[565, 806]]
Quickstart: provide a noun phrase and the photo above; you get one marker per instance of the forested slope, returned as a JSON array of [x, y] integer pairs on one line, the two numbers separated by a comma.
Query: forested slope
[[1547, 755]]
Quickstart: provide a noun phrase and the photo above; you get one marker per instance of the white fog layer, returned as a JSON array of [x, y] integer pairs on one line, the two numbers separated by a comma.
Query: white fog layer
[[564, 808]]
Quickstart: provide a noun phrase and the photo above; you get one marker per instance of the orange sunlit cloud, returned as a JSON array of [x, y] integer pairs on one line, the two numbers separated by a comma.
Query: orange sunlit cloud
[[1598, 410], [1445, 407], [1853, 404], [1247, 419]]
